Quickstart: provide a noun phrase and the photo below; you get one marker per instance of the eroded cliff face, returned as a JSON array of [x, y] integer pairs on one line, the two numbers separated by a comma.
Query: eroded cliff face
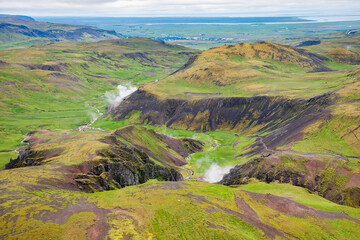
[[121, 166], [280, 118], [29, 157], [329, 178]]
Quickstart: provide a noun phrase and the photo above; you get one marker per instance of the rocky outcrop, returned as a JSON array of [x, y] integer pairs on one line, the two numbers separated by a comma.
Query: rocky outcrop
[[122, 166], [166, 150], [30, 157], [329, 179]]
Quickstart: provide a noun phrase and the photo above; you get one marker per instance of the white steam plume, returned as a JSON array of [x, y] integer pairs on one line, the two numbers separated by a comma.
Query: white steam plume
[[123, 92], [215, 173]]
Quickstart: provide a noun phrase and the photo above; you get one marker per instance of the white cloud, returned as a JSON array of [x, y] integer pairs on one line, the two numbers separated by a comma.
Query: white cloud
[[120, 8]]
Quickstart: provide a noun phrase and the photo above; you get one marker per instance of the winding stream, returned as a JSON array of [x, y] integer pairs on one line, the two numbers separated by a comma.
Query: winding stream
[[88, 126], [191, 173]]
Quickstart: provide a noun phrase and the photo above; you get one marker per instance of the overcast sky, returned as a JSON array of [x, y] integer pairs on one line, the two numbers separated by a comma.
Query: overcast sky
[[194, 8]]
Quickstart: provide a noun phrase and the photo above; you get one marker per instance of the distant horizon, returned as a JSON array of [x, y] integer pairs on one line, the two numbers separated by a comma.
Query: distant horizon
[[340, 17], [180, 8], [196, 20]]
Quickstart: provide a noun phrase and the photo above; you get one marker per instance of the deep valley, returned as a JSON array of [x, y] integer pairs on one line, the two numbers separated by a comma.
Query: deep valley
[[131, 138]]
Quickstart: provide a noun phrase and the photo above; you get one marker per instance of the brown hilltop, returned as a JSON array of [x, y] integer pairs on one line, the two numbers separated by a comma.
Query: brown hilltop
[[250, 69], [342, 55], [265, 51]]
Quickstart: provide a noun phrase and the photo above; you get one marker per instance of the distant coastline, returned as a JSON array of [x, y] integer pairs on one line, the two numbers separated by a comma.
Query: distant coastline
[[195, 20], [172, 20]]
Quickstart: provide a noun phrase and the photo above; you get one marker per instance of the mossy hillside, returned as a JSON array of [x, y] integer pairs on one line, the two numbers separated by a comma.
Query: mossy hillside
[[153, 209], [48, 86], [334, 131], [338, 134], [190, 210], [169, 152]]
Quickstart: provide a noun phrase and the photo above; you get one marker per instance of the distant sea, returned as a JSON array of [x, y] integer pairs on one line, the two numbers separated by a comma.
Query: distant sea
[[96, 21], [170, 20]]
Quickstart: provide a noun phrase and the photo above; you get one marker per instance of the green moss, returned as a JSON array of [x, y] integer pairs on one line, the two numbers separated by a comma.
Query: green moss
[[329, 139]]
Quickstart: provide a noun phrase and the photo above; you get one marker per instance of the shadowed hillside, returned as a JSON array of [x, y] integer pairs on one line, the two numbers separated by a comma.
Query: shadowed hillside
[[16, 31]]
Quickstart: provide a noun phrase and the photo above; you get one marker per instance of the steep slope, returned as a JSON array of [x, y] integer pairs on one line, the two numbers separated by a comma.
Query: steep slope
[[235, 114]]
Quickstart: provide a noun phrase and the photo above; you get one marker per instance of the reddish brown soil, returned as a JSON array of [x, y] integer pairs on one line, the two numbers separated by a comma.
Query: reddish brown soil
[[249, 216], [175, 144], [96, 232], [177, 161], [216, 226], [354, 180], [54, 153]]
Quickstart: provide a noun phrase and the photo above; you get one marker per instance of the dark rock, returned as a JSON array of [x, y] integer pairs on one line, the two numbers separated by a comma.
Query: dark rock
[[281, 118], [30, 157], [121, 166], [309, 43]]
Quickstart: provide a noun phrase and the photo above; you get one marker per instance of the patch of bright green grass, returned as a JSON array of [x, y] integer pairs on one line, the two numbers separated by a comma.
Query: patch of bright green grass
[[5, 157], [328, 139]]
